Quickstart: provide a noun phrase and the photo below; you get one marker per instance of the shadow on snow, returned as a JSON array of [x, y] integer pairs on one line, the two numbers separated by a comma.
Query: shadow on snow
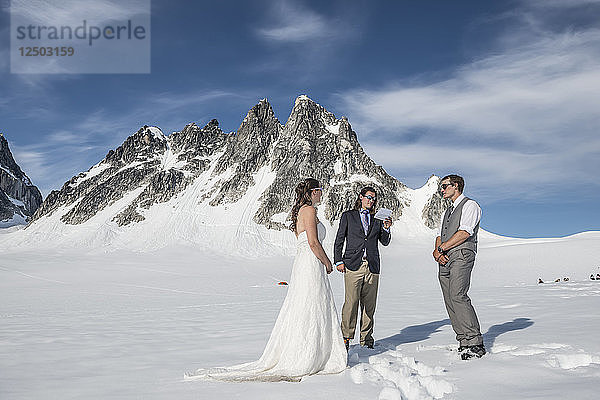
[[410, 334], [415, 333], [418, 333], [496, 330]]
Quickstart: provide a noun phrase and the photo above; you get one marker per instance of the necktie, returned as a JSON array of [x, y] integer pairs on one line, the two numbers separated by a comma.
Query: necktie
[[365, 220], [450, 209]]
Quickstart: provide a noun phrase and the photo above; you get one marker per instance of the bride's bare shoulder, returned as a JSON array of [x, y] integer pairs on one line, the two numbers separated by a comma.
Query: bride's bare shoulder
[[307, 210]]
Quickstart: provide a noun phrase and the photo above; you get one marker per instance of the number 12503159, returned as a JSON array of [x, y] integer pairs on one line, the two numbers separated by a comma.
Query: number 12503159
[[46, 51]]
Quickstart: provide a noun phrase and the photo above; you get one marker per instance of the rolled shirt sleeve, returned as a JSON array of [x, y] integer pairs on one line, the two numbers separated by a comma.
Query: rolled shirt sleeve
[[471, 215]]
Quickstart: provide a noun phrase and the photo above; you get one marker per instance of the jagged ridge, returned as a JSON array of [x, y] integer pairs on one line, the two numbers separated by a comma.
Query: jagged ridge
[[313, 142]]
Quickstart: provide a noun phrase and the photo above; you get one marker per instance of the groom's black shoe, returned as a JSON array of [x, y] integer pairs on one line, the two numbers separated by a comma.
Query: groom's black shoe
[[347, 343], [469, 352]]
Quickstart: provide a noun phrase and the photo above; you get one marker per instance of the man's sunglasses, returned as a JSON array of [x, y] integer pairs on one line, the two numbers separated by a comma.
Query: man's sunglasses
[[370, 197], [445, 185]]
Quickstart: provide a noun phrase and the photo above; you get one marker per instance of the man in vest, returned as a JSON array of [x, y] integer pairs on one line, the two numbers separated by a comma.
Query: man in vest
[[454, 252]]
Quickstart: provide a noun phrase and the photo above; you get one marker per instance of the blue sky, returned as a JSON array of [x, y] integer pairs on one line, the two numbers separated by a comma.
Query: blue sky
[[504, 93]]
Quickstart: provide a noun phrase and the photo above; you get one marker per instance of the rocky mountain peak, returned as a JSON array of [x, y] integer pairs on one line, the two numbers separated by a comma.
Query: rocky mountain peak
[[314, 143], [147, 142], [247, 176], [7, 161], [19, 198], [193, 138], [258, 118], [303, 101], [308, 117], [212, 125], [248, 151]]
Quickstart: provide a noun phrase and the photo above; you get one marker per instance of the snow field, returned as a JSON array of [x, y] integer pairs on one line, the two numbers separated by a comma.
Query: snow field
[[96, 324]]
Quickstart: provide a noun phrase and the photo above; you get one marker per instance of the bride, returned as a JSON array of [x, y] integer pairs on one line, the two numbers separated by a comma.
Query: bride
[[306, 338]]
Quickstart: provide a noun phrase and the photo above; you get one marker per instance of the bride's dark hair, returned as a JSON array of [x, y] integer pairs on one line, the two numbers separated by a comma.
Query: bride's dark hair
[[303, 192]]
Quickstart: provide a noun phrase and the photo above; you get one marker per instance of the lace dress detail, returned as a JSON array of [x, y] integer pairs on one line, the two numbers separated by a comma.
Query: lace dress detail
[[306, 338]]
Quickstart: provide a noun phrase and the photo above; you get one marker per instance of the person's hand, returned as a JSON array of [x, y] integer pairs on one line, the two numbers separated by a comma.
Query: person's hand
[[387, 223], [440, 258], [328, 268], [341, 267]]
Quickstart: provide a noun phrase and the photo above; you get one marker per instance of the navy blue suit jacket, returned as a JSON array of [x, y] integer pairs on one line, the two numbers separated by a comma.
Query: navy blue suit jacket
[[351, 231]]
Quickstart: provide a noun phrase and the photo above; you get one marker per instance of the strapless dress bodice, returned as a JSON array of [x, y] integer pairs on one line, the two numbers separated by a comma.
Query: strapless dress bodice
[[303, 237]]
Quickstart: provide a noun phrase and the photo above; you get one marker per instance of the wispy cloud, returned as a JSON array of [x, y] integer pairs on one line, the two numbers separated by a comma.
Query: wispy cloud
[[492, 173], [292, 22], [524, 114], [66, 12], [30, 160], [520, 94], [296, 35], [174, 101]]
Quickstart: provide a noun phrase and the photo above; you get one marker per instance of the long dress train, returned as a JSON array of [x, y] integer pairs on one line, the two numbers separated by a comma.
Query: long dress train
[[306, 338]]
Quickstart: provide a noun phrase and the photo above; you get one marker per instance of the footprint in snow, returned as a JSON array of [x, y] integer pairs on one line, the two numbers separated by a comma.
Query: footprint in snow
[[555, 355], [401, 377]]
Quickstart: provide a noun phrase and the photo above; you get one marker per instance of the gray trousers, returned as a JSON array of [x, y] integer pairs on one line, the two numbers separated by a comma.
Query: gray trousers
[[360, 287], [455, 280]]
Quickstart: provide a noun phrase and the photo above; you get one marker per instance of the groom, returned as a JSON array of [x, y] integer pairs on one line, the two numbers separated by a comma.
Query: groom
[[360, 264], [454, 251]]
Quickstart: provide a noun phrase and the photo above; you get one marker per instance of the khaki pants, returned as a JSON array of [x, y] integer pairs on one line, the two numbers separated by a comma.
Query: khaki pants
[[360, 288]]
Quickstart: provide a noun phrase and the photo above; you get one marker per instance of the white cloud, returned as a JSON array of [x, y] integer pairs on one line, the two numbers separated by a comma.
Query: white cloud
[[173, 101], [525, 115], [522, 94], [100, 123], [63, 137], [31, 162], [65, 12], [294, 23], [560, 4], [492, 174]]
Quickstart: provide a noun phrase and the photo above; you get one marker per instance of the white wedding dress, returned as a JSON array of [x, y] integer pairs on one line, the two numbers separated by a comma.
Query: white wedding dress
[[306, 338]]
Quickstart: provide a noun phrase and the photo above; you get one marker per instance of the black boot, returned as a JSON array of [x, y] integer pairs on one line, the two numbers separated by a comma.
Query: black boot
[[469, 352]]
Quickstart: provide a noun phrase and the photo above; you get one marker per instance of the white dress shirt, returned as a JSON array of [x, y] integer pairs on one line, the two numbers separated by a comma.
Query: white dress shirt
[[471, 215]]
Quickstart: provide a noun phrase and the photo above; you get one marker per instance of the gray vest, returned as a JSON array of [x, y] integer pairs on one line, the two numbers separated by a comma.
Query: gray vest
[[450, 227]]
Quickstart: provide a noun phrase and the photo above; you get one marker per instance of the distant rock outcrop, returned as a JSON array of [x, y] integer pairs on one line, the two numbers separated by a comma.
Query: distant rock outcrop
[[19, 198], [432, 212]]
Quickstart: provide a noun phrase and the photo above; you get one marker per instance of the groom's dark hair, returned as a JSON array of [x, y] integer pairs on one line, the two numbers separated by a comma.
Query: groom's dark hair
[[456, 180], [363, 191]]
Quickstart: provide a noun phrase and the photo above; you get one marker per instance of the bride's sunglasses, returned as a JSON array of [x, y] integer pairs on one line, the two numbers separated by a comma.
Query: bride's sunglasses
[[319, 189]]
